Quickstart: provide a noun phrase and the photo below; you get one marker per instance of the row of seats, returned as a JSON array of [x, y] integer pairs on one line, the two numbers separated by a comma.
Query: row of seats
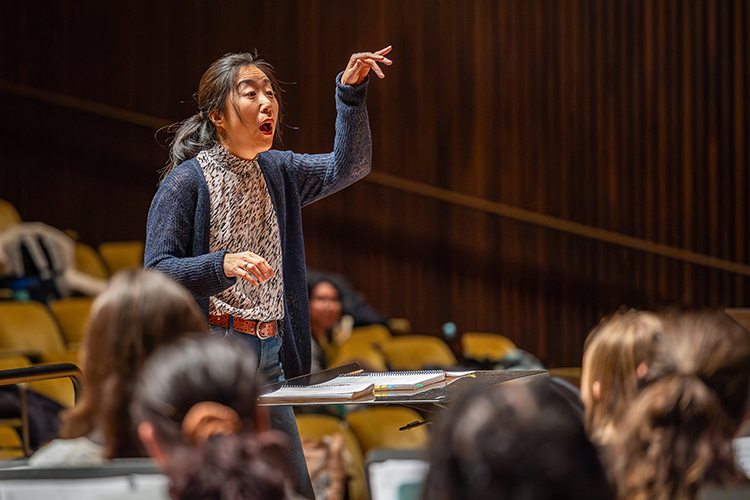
[[102, 262], [109, 257], [32, 333], [376, 349]]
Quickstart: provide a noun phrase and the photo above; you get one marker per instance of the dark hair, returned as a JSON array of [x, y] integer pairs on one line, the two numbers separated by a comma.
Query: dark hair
[[247, 465], [311, 284], [217, 88], [676, 435], [518, 440], [139, 311]]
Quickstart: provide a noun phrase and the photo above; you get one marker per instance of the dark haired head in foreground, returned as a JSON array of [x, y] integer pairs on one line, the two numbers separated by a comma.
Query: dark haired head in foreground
[[139, 311], [518, 440], [197, 407], [676, 436]]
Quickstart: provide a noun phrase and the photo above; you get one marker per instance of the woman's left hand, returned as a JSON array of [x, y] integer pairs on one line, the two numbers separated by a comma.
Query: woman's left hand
[[361, 64]]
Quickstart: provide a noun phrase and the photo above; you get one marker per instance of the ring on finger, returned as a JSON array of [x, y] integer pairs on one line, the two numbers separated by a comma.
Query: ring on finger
[[246, 269]]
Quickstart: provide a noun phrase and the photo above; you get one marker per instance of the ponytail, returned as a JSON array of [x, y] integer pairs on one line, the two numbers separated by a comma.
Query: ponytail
[[191, 136], [232, 467], [673, 439]]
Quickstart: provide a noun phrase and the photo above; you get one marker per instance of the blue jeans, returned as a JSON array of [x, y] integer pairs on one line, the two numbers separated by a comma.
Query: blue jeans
[[282, 417]]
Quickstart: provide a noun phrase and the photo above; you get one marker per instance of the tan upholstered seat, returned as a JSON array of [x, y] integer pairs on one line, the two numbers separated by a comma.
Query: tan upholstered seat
[[415, 352], [378, 427], [485, 346]]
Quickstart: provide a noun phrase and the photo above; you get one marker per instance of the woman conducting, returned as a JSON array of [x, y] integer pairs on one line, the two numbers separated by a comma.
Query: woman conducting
[[226, 221]]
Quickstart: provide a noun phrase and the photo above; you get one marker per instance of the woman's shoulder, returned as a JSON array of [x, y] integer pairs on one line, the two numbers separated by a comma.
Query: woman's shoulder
[[68, 453], [187, 171], [274, 157], [184, 179]]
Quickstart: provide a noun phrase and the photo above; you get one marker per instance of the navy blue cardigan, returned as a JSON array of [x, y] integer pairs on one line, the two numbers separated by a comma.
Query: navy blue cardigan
[[178, 227]]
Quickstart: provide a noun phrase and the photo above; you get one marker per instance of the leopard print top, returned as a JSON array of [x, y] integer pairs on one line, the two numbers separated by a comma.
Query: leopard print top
[[243, 219]]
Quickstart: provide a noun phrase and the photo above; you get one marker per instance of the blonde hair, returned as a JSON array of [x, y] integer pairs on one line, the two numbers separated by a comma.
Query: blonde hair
[[676, 436], [611, 356]]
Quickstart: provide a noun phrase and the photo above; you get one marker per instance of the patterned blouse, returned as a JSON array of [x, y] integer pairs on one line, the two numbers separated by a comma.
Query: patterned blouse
[[243, 219]]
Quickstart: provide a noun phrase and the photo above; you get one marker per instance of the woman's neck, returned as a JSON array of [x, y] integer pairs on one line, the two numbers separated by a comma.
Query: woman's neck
[[243, 151]]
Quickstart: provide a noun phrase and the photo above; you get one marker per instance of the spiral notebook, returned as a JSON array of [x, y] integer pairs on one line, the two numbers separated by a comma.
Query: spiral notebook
[[396, 381], [331, 391]]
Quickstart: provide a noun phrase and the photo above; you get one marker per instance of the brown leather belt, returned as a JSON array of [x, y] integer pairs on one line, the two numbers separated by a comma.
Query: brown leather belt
[[250, 326]]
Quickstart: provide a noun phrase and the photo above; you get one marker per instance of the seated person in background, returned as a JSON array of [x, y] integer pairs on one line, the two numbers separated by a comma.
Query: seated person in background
[[352, 303], [327, 325], [612, 353], [675, 437], [518, 440], [138, 312], [196, 404]]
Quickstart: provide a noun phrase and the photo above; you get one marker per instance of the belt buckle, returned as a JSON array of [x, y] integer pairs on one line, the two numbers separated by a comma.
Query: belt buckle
[[260, 330]]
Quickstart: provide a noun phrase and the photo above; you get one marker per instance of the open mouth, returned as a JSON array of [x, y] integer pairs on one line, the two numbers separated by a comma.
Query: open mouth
[[267, 127]]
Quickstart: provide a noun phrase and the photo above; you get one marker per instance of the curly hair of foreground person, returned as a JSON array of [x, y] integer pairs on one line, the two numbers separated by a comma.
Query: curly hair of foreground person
[[676, 436]]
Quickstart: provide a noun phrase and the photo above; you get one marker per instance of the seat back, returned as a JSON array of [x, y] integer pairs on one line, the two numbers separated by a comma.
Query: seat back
[[370, 359], [370, 334], [72, 314], [8, 215], [90, 262], [415, 352], [29, 328], [378, 427], [315, 426], [485, 346], [121, 254]]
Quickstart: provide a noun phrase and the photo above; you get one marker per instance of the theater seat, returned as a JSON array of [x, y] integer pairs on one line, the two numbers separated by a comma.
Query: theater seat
[[90, 262], [72, 315], [8, 215], [369, 335], [415, 352], [370, 359], [314, 426], [378, 427], [483, 346], [121, 254], [29, 328]]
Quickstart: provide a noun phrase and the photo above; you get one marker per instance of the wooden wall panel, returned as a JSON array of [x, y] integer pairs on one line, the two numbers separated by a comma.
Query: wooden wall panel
[[629, 115]]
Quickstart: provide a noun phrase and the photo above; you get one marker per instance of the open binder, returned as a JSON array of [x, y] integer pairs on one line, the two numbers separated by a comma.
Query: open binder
[[357, 386]]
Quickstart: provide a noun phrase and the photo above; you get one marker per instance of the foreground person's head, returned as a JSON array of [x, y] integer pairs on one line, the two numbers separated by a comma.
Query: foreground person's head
[[613, 352], [518, 440], [676, 436], [139, 311], [196, 404]]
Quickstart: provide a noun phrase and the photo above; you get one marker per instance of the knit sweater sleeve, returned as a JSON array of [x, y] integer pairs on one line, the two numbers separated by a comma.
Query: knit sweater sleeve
[[176, 222], [319, 175]]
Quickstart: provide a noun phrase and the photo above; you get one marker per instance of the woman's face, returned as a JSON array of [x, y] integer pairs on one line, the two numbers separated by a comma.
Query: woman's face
[[325, 306], [248, 124]]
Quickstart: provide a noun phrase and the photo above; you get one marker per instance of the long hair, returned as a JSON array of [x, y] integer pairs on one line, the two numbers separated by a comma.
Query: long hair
[[249, 463], [676, 435], [613, 351], [519, 440], [217, 91], [139, 311]]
